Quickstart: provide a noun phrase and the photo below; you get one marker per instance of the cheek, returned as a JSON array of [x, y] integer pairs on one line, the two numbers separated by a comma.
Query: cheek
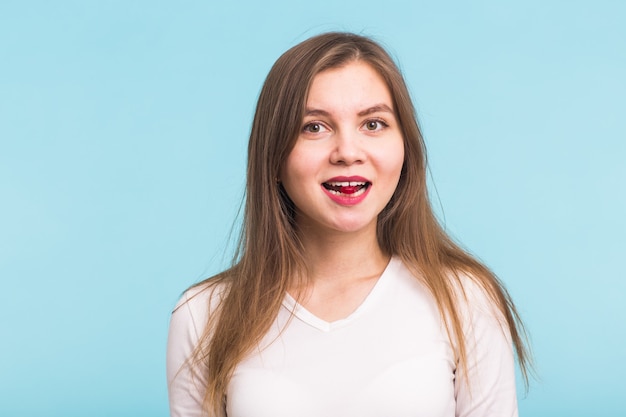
[[394, 160], [292, 168], [294, 174], [302, 164]]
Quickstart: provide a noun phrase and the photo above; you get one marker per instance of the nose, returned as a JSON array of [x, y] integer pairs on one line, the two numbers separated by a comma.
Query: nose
[[347, 149]]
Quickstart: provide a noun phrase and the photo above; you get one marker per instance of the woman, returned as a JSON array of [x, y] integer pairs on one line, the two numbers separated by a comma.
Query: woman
[[346, 297]]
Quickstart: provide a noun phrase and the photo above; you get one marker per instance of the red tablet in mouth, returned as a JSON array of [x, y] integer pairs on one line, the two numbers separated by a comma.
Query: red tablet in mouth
[[346, 187], [347, 191]]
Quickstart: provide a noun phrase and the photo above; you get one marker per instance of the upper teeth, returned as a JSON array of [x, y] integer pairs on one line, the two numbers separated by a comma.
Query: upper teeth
[[346, 183]]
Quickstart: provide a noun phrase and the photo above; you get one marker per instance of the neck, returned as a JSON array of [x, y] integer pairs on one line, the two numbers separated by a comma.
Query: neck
[[343, 257], [343, 268]]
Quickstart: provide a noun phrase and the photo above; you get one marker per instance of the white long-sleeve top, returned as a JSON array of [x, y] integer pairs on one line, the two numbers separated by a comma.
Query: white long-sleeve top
[[390, 358]]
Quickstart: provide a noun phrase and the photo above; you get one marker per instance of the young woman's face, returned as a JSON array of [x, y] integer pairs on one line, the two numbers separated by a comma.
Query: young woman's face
[[346, 162]]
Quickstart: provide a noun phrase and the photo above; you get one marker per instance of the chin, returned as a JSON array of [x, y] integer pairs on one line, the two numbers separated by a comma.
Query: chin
[[354, 226]]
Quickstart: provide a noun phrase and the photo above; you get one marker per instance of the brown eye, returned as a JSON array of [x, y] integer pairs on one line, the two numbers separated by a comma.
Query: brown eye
[[375, 125], [371, 125], [313, 128]]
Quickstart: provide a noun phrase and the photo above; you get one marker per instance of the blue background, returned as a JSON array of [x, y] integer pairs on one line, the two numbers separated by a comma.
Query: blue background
[[123, 129]]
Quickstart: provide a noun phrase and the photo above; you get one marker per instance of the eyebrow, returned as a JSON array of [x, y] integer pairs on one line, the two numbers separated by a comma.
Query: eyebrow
[[316, 112], [378, 108]]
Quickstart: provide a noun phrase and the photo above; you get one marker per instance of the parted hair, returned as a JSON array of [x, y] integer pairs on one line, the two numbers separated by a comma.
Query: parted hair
[[269, 258]]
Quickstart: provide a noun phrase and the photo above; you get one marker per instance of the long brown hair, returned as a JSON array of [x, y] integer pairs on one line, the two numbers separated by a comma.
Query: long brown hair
[[270, 256]]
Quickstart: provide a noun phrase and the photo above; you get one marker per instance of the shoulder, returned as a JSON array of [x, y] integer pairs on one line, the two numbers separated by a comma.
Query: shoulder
[[469, 293], [484, 299], [485, 386], [476, 299], [197, 304], [482, 318], [188, 323], [186, 375]]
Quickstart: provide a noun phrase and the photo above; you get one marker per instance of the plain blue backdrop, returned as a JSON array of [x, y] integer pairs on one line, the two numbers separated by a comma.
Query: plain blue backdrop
[[123, 129]]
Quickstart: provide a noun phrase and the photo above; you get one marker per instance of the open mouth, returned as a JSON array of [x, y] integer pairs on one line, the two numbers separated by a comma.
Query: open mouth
[[347, 188]]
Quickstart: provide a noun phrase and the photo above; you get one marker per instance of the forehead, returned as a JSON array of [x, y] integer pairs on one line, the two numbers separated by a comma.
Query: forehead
[[355, 84]]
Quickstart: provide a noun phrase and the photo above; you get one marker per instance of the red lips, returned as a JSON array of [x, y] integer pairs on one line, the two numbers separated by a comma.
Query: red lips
[[347, 191]]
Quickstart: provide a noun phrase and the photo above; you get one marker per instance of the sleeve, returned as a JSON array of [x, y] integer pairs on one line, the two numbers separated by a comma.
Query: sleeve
[[186, 383], [490, 362]]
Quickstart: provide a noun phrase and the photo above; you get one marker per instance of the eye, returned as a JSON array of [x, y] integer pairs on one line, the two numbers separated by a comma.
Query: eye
[[313, 127], [374, 125]]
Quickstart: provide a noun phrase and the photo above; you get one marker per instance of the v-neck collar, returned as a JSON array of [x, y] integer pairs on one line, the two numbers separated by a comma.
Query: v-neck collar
[[312, 320]]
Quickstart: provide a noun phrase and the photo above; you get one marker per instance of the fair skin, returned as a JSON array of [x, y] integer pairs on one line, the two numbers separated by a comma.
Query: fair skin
[[341, 173]]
